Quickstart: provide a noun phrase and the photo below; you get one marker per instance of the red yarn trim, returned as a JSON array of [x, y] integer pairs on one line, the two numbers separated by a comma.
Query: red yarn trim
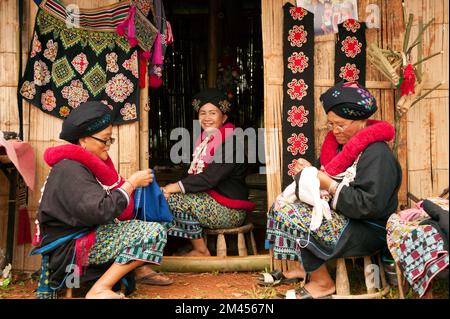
[[334, 164]]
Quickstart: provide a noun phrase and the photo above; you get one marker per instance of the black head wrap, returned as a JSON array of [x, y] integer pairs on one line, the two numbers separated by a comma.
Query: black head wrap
[[87, 119], [349, 100], [214, 96]]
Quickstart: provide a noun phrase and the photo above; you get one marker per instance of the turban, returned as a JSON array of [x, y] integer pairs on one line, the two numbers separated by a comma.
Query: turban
[[87, 119], [213, 96], [349, 100]]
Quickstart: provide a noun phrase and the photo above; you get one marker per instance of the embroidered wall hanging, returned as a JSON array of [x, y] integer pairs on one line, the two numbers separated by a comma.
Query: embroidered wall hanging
[[298, 86], [350, 52], [68, 66]]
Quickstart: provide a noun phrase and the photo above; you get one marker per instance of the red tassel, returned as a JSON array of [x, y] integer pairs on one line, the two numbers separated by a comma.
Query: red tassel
[[142, 69], [24, 228], [409, 81], [147, 55], [157, 57], [82, 247], [133, 42], [120, 30], [154, 81]]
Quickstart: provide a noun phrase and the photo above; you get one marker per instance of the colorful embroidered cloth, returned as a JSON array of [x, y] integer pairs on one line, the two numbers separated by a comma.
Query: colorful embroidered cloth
[[350, 52], [68, 66], [417, 249], [298, 86]]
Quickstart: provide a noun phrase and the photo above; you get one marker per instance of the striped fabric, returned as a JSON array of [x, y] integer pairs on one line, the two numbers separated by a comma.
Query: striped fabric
[[99, 19], [129, 240]]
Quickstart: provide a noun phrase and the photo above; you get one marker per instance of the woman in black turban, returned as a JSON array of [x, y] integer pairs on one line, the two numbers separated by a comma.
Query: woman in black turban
[[214, 194], [86, 220], [359, 174]]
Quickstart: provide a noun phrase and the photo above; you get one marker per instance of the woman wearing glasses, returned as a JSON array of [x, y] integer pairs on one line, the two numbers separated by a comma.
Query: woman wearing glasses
[[359, 174], [86, 225]]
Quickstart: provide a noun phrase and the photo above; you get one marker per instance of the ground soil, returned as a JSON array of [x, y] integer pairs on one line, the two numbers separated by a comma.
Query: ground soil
[[207, 285]]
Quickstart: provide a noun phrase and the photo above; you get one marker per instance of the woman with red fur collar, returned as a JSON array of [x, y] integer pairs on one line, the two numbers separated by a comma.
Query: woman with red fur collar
[[86, 227], [360, 176], [213, 194]]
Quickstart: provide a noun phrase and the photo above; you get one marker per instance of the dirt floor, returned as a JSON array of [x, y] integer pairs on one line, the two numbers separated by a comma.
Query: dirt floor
[[210, 286]]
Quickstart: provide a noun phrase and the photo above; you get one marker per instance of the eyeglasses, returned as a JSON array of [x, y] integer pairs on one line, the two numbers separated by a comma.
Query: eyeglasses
[[107, 142], [340, 128]]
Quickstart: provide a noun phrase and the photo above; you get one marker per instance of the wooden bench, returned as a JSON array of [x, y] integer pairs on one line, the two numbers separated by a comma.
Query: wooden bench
[[372, 276], [221, 246]]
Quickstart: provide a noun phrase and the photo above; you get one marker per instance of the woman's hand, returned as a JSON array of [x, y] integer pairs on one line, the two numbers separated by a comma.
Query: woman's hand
[[170, 189], [165, 193], [300, 165], [141, 178]]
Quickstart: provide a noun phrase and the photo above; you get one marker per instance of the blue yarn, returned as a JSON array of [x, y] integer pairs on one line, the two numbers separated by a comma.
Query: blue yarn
[[150, 204]]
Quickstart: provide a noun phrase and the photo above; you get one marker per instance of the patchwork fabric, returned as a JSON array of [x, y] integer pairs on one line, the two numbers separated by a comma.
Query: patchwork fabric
[[69, 66], [298, 86], [291, 222], [44, 291], [193, 212], [350, 52], [129, 240], [418, 250]]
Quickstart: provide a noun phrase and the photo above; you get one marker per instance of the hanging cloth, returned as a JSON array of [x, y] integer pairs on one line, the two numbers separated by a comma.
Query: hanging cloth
[[163, 39], [298, 87], [350, 52], [69, 65]]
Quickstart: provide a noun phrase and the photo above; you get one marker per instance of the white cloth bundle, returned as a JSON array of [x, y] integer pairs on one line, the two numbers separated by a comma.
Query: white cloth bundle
[[309, 193]]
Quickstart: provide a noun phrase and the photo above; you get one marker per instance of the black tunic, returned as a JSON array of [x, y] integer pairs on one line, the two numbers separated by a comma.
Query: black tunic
[[73, 201], [226, 175], [368, 202]]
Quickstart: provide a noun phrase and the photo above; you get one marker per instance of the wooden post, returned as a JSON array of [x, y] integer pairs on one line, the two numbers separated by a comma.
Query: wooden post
[[143, 127], [342, 283], [253, 243], [382, 274], [69, 293], [242, 248], [221, 245], [368, 275], [212, 44], [399, 281]]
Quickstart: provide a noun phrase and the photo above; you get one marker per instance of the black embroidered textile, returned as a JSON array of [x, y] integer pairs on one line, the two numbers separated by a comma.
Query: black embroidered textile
[[298, 87], [350, 52]]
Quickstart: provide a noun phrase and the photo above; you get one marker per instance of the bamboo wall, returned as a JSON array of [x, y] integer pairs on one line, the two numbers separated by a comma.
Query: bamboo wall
[[423, 151], [40, 129], [428, 130]]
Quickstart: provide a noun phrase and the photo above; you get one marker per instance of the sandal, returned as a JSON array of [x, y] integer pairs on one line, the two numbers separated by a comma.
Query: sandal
[[301, 293], [276, 278], [151, 279]]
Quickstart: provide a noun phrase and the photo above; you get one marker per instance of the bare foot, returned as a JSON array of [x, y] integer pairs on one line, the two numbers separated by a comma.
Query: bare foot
[[194, 252], [296, 273], [104, 294], [320, 289]]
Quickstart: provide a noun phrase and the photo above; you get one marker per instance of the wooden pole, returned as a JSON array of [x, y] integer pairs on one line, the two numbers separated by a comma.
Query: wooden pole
[[143, 128], [214, 263], [212, 44]]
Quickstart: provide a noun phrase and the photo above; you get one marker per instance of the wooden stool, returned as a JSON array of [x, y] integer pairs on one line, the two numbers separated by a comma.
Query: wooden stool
[[343, 285], [221, 247]]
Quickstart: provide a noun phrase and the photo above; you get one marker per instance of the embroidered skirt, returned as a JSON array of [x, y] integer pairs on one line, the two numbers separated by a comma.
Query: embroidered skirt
[[193, 212], [129, 240], [291, 222], [418, 250]]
